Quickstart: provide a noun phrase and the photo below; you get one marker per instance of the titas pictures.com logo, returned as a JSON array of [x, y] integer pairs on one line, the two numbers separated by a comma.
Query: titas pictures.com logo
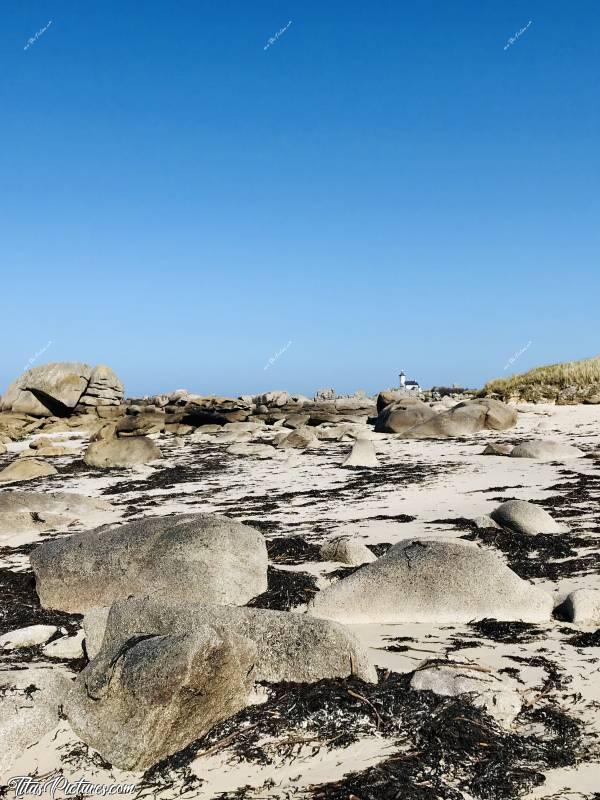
[[59, 786]]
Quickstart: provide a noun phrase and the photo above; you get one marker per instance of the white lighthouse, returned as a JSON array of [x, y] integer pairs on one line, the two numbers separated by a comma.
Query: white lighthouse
[[402, 380]]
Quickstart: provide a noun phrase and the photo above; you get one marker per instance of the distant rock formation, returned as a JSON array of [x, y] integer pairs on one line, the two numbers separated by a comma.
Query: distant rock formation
[[61, 389]]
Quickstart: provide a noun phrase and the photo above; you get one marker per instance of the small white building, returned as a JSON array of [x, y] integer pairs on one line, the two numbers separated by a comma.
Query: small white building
[[408, 386]]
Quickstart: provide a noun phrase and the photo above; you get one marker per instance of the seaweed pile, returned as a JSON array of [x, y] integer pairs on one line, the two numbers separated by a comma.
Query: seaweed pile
[[586, 639], [444, 745], [285, 590], [507, 632], [542, 555], [292, 550]]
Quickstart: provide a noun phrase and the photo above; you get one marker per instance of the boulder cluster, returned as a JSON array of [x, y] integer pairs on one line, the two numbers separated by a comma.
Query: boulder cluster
[[175, 648], [411, 418]]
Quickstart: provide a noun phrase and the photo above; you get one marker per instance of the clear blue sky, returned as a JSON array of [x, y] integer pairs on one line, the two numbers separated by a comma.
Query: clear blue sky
[[384, 187]]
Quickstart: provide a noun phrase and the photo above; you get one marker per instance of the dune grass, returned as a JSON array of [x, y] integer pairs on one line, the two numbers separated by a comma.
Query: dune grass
[[548, 381]]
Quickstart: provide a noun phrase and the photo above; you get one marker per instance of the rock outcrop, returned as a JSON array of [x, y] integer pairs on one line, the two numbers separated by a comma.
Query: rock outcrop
[[57, 389], [465, 419]]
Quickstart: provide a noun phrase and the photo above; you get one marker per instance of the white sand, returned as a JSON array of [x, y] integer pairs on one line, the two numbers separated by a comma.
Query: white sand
[[456, 483]]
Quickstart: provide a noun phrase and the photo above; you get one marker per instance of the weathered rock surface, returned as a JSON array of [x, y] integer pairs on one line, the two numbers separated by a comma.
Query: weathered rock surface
[[456, 422], [493, 449], [148, 696], [51, 451], [499, 416], [387, 398], [212, 410], [465, 419], [485, 521], [347, 551], [140, 425], [519, 515], [290, 647], [254, 450], [400, 416], [582, 606], [56, 389], [26, 469], [66, 647], [110, 453], [362, 455], [94, 627], [30, 636], [546, 450], [432, 581], [49, 390], [30, 701], [300, 439], [104, 388], [498, 696], [41, 512], [203, 558]]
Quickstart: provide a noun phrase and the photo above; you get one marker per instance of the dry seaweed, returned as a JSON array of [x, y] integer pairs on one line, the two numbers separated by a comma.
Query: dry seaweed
[[286, 590], [587, 639], [507, 632], [542, 555], [292, 550], [445, 746], [20, 605]]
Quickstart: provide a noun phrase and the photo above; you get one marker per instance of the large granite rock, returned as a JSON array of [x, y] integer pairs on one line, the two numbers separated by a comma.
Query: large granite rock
[[26, 469], [148, 696], [204, 558], [49, 390], [57, 389], [465, 419], [289, 647], [400, 416], [349, 551], [111, 453], [432, 581], [582, 607], [499, 416], [390, 396], [546, 450], [300, 439], [524, 517]]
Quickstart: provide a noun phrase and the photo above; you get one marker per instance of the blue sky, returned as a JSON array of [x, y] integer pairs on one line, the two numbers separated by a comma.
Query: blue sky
[[385, 186]]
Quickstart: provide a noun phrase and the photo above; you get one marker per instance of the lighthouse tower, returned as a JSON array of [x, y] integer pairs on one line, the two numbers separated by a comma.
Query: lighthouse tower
[[402, 380]]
